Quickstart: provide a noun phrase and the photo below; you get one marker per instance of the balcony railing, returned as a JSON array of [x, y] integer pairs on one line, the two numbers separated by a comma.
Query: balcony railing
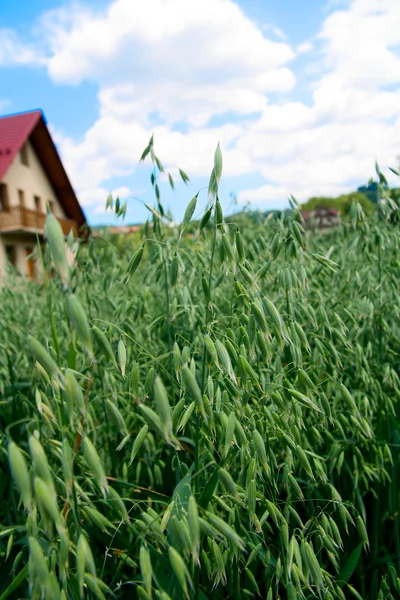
[[17, 218]]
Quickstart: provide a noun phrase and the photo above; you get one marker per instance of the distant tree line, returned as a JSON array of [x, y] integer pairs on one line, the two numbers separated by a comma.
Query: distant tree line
[[366, 196], [341, 203]]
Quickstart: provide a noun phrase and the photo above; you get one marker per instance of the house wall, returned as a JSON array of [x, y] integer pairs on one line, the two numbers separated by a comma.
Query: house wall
[[32, 180], [3, 258], [20, 242]]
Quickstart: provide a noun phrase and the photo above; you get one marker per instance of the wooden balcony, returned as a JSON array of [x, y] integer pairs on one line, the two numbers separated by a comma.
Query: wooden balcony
[[17, 218]]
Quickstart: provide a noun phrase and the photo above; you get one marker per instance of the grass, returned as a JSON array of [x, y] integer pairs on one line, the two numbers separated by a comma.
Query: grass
[[204, 417]]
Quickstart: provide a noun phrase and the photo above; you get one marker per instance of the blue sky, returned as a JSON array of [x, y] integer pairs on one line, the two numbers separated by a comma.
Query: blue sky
[[303, 95]]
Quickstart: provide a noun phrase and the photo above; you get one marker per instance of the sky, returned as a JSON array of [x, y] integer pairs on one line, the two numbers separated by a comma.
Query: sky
[[302, 95]]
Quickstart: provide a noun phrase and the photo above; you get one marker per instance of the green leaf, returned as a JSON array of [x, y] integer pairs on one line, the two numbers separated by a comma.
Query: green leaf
[[16, 582], [208, 490], [350, 566], [71, 360]]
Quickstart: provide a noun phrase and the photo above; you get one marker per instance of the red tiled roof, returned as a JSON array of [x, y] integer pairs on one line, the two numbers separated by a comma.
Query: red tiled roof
[[15, 130]]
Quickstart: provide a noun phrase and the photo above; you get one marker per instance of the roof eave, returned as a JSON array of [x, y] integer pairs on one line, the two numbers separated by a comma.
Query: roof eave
[[46, 150]]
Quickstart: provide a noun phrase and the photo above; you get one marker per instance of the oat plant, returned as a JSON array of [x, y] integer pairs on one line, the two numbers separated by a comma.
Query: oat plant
[[207, 415]]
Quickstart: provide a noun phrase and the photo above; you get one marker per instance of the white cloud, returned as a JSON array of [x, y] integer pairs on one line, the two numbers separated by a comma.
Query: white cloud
[[4, 102], [96, 195], [289, 116], [95, 198], [140, 37], [330, 146], [158, 65], [158, 58], [362, 43], [279, 33], [304, 47], [122, 192], [322, 148], [265, 195], [186, 65], [276, 197], [14, 52]]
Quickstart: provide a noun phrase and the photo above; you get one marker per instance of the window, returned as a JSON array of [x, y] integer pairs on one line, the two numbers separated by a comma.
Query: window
[[11, 253], [24, 155], [38, 204], [21, 197], [51, 206], [3, 197]]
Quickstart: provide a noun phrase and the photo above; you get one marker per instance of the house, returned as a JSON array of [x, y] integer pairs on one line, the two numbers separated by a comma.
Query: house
[[322, 218], [32, 177], [125, 229]]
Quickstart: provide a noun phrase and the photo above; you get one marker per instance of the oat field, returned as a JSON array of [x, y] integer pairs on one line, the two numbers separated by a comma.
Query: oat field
[[204, 417]]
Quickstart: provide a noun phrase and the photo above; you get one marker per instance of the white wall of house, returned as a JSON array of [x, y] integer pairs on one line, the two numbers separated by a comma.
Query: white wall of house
[[3, 257], [22, 244], [31, 179]]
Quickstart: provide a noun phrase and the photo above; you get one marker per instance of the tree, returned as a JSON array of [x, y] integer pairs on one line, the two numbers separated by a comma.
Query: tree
[[395, 194], [370, 191], [341, 203]]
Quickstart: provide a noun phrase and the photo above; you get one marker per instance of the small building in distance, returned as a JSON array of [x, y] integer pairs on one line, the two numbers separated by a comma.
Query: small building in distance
[[32, 176], [321, 218], [124, 229]]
